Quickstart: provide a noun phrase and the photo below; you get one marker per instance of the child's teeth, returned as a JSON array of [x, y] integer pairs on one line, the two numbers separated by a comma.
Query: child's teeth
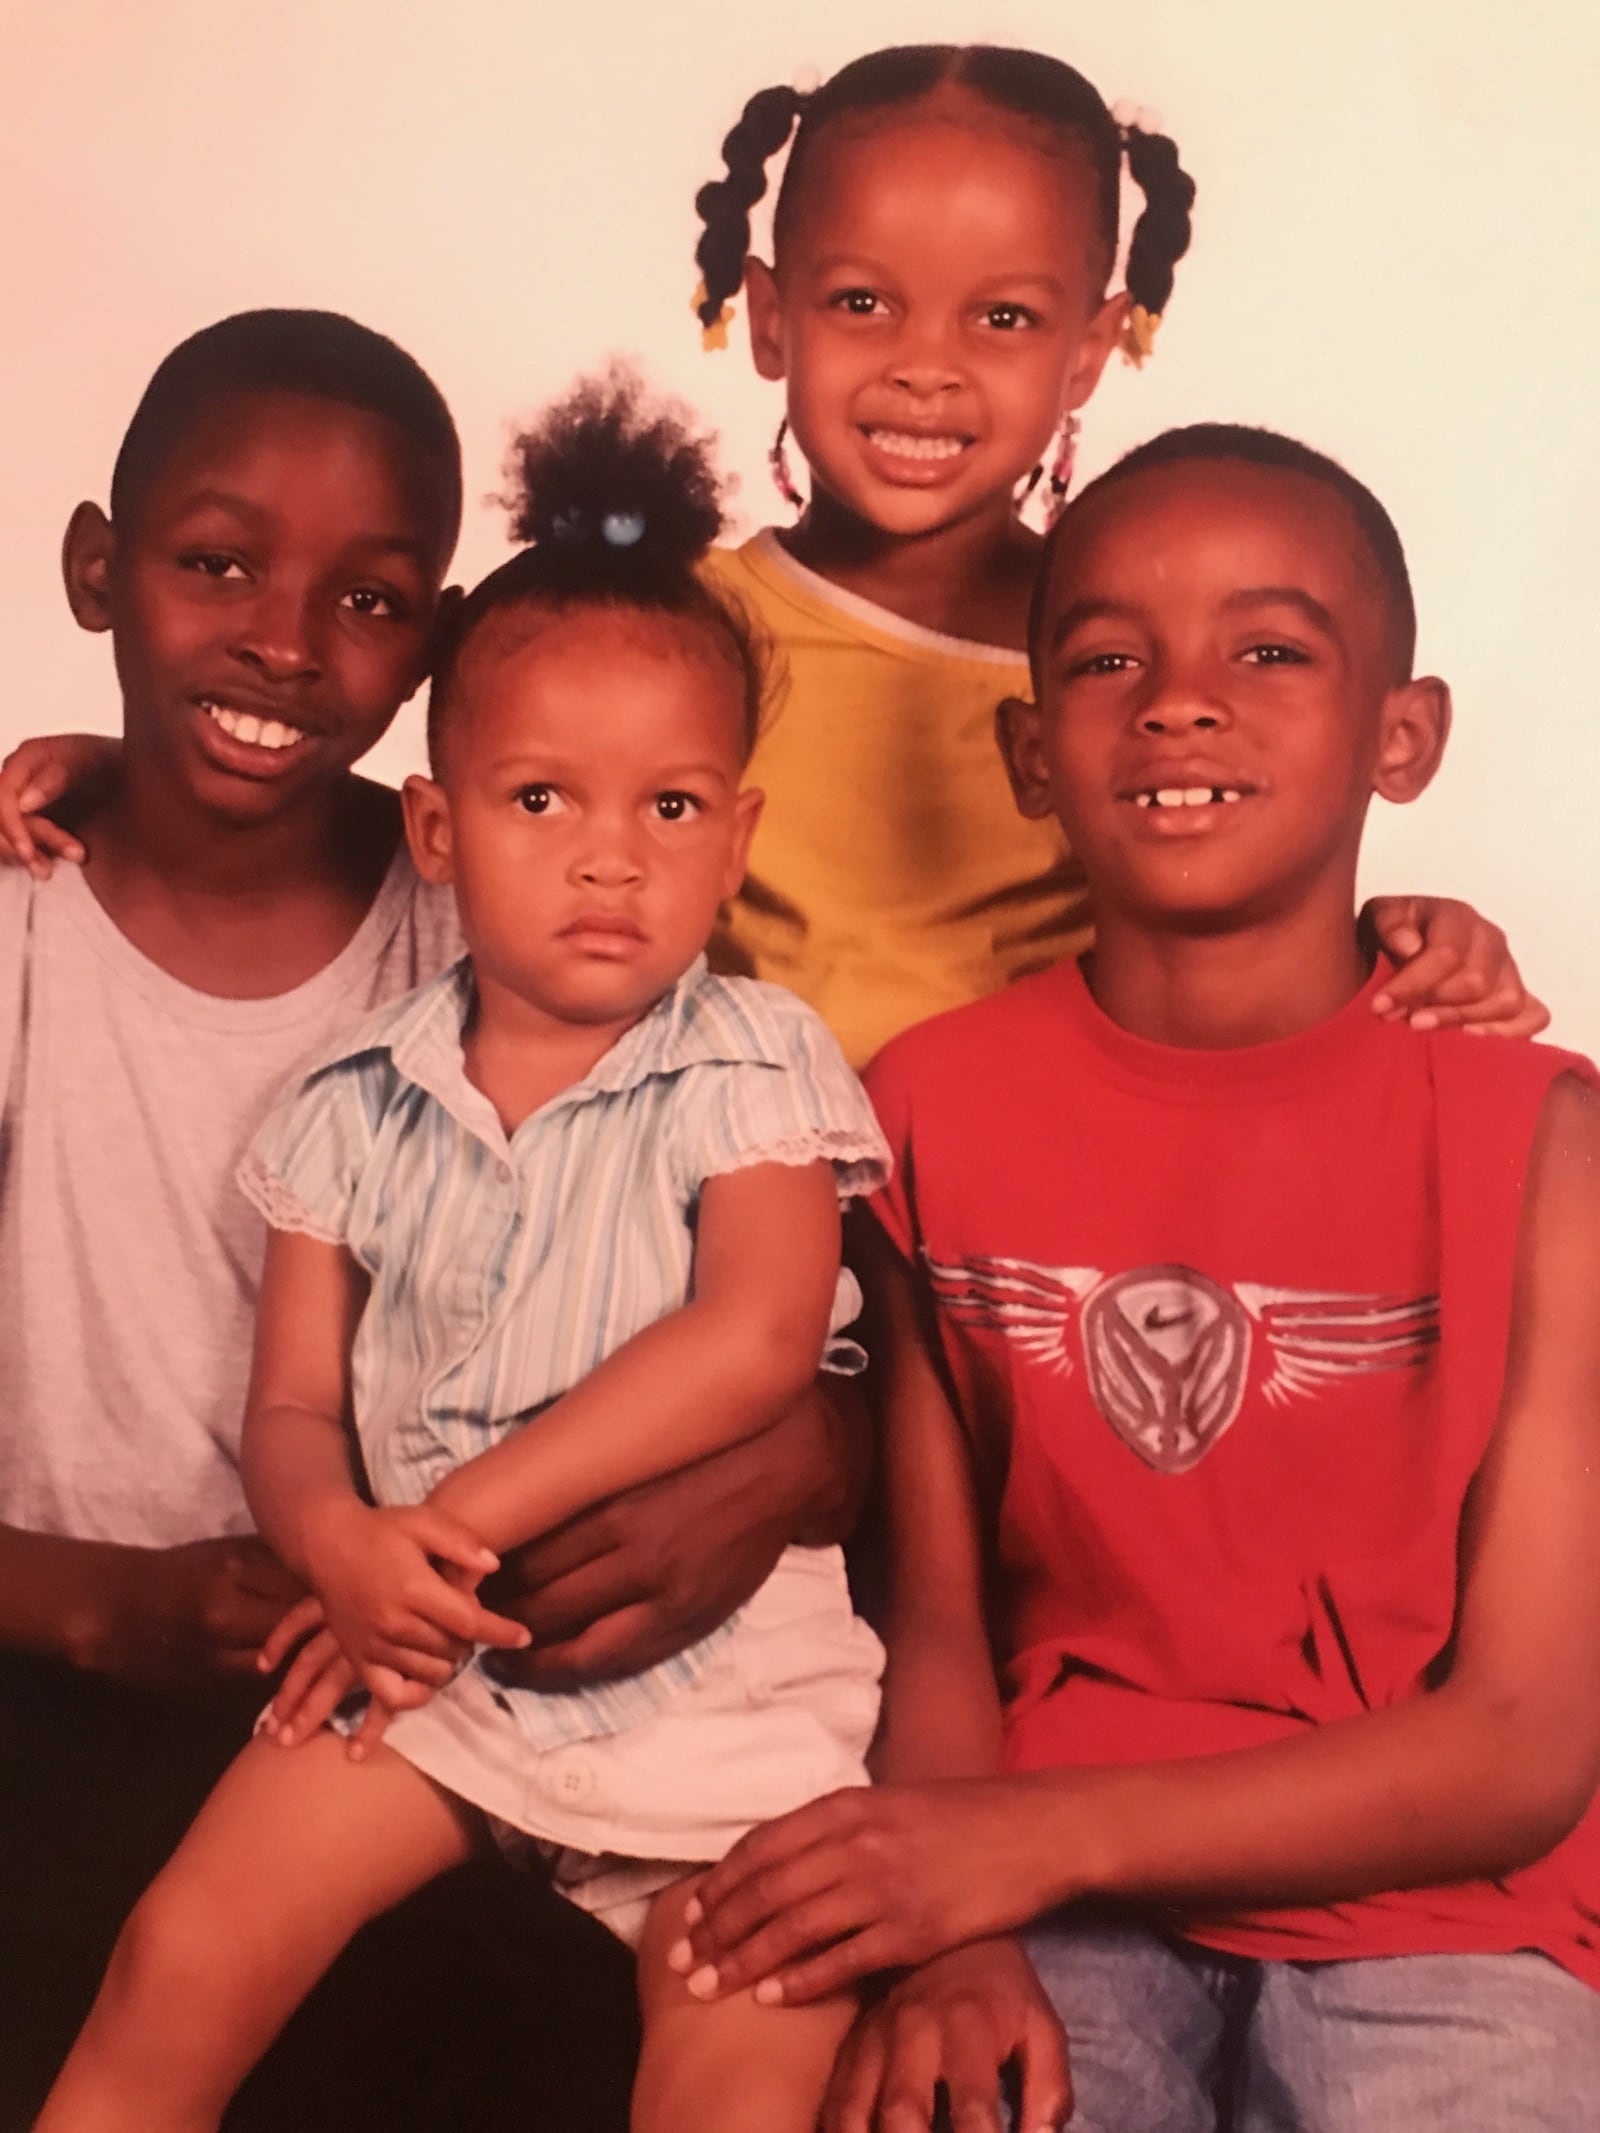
[[1188, 796], [254, 732], [907, 445]]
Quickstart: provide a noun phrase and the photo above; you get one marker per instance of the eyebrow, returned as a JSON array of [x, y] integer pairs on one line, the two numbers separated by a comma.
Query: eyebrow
[[877, 269], [1295, 596], [545, 770], [1082, 611], [245, 507]]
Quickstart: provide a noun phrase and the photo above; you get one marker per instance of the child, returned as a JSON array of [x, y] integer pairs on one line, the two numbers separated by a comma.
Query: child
[[937, 306], [283, 510], [1265, 1378], [577, 1184]]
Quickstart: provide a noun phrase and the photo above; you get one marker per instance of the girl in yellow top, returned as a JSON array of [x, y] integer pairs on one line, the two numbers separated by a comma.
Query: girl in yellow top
[[937, 308]]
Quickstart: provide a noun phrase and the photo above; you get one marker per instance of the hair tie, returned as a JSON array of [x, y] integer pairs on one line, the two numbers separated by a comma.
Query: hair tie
[[1139, 335], [1129, 117], [715, 335], [622, 529]]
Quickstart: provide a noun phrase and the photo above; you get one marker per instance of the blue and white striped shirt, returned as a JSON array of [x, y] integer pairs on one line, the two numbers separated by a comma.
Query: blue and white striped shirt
[[504, 1270]]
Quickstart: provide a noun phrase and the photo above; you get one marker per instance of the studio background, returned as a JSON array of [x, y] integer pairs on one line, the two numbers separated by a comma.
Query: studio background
[[1396, 259]]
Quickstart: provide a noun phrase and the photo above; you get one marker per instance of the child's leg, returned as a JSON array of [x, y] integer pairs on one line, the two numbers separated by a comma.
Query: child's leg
[[295, 1849], [1421, 2044], [726, 2065]]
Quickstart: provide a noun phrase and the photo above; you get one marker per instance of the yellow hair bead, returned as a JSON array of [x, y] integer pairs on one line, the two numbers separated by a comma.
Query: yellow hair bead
[[716, 334], [1139, 335]]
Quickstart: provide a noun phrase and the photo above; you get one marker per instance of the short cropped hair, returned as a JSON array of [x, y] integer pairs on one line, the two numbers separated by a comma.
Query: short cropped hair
[[1259, 448], [321, 354]]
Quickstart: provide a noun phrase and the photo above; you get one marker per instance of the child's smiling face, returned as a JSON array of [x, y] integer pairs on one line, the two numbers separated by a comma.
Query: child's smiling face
[[938, 305], [1220, 695], [589, 809], [271, 592]]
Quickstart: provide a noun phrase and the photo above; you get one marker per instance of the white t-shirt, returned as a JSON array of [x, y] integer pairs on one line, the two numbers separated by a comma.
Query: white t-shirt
[[129, 1259]]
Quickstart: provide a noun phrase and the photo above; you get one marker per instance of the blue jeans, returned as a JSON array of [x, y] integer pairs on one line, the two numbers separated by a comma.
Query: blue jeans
[[1169, 2038]]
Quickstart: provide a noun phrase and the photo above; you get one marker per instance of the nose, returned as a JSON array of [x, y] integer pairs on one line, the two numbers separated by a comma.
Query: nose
[[610, 857], [924, 365], [279, 634], [1179, 704]]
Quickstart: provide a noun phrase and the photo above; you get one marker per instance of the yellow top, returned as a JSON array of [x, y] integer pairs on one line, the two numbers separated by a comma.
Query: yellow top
[[891, 875]]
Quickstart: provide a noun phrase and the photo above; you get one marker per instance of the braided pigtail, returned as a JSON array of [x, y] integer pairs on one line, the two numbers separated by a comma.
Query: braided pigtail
[[723, 205], [1160, 236]]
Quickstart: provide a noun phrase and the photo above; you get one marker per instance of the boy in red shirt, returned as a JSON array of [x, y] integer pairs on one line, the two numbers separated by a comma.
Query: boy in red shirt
[[1241, 1381]]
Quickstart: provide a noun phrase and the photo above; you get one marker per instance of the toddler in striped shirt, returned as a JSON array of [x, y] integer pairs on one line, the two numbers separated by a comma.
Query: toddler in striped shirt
[[564, 1219]]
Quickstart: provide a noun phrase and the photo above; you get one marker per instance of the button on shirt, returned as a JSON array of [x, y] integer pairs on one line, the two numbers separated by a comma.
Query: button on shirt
[[503, 1270]]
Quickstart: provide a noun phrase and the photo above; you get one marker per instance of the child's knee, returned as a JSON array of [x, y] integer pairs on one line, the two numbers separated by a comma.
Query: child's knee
[[173, 1951]]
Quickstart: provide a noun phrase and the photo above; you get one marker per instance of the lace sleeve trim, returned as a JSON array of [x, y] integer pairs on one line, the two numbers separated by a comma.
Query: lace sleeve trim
[[859, 1162], [270, 1197]]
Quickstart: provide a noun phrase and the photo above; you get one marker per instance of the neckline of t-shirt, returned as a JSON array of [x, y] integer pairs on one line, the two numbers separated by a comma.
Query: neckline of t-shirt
[[1248, 1072], [214, 1010], [765, 547]]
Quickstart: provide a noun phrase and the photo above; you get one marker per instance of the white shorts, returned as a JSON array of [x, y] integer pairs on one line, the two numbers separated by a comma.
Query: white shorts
[[782, 1713]]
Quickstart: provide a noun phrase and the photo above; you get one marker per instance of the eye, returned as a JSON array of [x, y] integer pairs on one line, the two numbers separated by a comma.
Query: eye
[[369, 600], [211, 563], [1009, 318], [540, 800], [1098, 663], [1276, 655], [857, 302], [677, 806]]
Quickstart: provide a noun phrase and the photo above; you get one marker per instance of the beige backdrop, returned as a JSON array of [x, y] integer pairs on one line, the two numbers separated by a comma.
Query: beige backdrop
[[1399, 225]]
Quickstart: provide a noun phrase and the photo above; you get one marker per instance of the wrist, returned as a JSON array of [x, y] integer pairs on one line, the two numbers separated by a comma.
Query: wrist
[[1076, 1857], [98, 1589], [320, 1532], [828, 1474]]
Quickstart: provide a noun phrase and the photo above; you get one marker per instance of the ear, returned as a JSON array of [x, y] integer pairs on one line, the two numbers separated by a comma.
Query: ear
[[1415, 724], [444, 622], [1094, 351], [746, 814], [427, 814], [88, 550], [1019, 729], [765, 308]]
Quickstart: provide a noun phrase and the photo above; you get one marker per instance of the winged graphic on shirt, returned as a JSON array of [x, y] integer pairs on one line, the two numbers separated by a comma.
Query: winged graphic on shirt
[[1166, 1349]]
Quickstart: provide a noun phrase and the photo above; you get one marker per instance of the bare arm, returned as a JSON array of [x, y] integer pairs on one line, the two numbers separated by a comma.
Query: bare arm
[[1477, 1777], [722, 1368], [645, 1574], [374, 1571], [941, 1715]]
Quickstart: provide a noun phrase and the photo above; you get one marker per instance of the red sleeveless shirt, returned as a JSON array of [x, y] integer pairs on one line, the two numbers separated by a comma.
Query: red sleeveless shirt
[[1227, 1330]]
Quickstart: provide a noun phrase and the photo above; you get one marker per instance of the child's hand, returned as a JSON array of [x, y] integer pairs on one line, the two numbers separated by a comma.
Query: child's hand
[[387, 1583], [1455, 968], [32, 777], [958, 2020], [321, 1677], [868, 1879]]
